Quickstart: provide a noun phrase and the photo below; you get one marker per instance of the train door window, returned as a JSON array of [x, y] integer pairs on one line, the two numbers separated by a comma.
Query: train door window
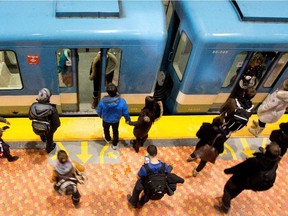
[[182, 55], [64, 68], [169, 11], [9, 71], [233, 72], [276, 71]]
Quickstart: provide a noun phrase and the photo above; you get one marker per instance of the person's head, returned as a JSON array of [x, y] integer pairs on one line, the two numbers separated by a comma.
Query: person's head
[[44, 95], [285, 85], [218, 121], [273, 151], [249, 93], [62, 156], [152, 150], [257, 60], [111, 89]]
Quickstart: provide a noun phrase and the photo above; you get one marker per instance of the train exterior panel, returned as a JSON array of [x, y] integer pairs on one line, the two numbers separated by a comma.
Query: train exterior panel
[[36, 36]]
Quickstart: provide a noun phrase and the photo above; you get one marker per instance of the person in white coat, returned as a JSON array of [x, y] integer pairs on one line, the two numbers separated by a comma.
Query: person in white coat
[[271, 110]]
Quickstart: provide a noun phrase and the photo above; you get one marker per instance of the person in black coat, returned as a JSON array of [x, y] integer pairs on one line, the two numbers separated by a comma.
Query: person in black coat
[[280, 137], [244, 173], [206, 135], [151, 112]]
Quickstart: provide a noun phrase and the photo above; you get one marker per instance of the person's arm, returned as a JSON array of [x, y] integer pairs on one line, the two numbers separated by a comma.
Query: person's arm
[[125, 112], [54, 176], [79, 166]]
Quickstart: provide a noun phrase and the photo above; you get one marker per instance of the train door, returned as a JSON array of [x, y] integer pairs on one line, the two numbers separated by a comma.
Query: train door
[[81, 79], [264, 71]]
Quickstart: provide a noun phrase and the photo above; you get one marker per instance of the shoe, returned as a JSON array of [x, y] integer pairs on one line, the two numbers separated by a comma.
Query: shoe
[[13, 158], [105, 138], [221, 208], [50, 150], [114, 147], [129, 201], [76, 204], [261, 149], [195, 173], [190, 159]]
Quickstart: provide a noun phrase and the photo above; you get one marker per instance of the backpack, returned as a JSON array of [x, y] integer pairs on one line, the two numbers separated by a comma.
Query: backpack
[[263, 180], [240, 117], [40, 114], [155, 184]]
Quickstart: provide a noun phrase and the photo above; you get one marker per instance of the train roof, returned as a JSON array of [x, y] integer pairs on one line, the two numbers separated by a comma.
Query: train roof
[[229, 21], [58, 21]]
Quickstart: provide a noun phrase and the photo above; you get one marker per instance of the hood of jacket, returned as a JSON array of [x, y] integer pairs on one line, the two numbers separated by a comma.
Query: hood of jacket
[[111, 101], [283, 95]]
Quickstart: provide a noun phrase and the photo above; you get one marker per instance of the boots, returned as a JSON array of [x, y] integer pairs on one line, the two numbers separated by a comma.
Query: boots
[[256, 131], [94, 102]]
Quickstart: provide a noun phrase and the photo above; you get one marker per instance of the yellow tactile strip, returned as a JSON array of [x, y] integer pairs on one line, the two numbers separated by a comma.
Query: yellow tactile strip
[[26, 190], [90, 128]]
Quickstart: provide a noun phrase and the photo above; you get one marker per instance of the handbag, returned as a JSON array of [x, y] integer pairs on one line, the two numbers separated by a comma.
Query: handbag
[[208, 152], [80, 176]]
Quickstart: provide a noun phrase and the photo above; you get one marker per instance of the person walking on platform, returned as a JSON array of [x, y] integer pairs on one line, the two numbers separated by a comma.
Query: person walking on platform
[[257, 173], [4, 147], [155, 178], [211, 134], [111, 108], [271, 110], [280, 137], [151, 112], [237, 111], [64, 177], [45, 118]]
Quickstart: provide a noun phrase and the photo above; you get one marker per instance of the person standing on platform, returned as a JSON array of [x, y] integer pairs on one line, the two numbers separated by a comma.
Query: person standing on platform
[[45, 118], [257, 174], [207, 134], [111, 108], [64, 177], [151, 112], [4, 147], [271, 110]]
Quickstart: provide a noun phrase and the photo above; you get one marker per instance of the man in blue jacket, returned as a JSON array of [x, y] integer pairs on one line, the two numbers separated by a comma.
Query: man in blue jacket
[[111, 108]]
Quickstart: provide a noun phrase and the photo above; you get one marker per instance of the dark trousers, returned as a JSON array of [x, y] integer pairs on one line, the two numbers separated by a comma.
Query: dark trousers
[[76, 197], [115, 126], [48, 138], [201, 165], [231, 190], [140, 142], [5, 149], [138, 188]]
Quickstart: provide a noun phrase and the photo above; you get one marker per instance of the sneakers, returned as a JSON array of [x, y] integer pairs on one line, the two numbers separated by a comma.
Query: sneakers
[[221, 208], [190, 159], [195, 173], [105, 138], [129, 201], [114, 147]]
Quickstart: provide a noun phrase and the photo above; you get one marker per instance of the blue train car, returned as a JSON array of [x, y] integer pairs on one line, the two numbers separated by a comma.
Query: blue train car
[[62, 45], [212, 44]]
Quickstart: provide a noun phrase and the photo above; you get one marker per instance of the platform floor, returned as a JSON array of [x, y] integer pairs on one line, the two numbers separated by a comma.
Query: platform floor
[[26, 189]]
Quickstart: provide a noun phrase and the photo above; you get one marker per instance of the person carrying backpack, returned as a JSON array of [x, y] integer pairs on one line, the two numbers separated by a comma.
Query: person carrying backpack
[[153, 180], [237, 111], [45, 118], [257, 173], [64, 177]]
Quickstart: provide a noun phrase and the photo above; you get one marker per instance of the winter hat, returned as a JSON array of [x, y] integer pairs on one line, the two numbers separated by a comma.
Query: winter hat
[[285, 85], [44, 95]]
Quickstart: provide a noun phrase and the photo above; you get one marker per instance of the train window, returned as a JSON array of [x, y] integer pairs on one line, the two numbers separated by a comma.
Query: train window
[[9, 71], [169, 11], [276, 71], [64, 68], [181, 58], [233, 72]]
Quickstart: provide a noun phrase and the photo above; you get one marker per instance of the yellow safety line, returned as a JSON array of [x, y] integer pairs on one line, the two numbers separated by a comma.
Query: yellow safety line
[[264, 143], [231, 150], [103, 152]]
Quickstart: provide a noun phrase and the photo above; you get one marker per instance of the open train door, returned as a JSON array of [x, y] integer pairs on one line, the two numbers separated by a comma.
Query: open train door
[[265, 71]]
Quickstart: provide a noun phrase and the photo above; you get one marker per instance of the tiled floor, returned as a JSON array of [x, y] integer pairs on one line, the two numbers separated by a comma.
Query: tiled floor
[[26, 189]]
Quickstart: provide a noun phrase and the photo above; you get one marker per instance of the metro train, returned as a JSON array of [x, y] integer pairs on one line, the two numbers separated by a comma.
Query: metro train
[[189, 54]]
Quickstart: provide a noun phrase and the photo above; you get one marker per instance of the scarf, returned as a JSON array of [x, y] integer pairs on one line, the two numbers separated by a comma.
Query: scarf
[[64, 168]]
